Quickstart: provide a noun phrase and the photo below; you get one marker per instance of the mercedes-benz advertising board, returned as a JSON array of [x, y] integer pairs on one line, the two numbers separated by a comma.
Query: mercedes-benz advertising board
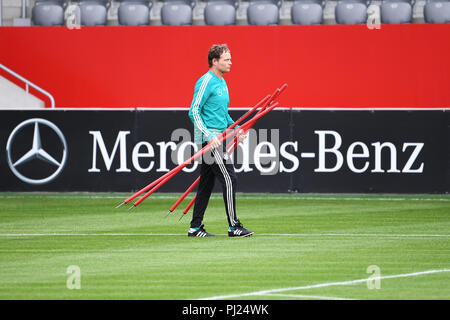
[[289, 150]]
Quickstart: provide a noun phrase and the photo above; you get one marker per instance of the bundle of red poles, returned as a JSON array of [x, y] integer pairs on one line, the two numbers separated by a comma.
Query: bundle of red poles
[[266, 105]]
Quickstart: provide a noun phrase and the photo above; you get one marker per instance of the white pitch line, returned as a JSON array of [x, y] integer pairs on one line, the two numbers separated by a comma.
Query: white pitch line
[[352, 235], [56, 234], [87, 234], [305, 296], [247, 197], [368, 199], [322, 285]]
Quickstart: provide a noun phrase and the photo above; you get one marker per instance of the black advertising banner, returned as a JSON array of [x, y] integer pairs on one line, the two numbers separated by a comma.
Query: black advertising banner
[[373, 151], [286, 151]]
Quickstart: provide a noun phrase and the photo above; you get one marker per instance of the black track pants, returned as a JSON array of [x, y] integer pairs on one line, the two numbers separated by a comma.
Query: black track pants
[[215, 165]]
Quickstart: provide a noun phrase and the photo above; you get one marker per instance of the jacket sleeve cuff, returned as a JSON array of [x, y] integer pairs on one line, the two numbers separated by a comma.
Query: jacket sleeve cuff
[[211, 135]]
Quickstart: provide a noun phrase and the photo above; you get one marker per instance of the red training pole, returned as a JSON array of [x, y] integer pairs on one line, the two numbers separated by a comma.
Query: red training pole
[[188, 207], [275, 95], [263, 101], [174, 171], [230, 148], [268, 99], [185, 211], [183, 196]]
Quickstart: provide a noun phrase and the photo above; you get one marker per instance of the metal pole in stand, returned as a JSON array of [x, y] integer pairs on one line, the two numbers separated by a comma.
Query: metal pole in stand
[[24, 9], [1, 13], [23, 21]]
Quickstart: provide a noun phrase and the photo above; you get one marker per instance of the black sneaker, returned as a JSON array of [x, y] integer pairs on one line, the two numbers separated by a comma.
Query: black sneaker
[[239, 231], [199, 232]]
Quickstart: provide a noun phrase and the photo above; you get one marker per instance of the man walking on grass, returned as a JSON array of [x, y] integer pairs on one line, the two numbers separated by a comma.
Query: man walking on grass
[[209, 113]]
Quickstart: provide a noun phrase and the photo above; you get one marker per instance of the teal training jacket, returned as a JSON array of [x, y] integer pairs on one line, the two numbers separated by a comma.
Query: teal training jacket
[[209, 107]]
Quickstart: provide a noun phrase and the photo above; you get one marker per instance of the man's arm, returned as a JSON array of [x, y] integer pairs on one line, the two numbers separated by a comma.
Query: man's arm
[[201, 94]]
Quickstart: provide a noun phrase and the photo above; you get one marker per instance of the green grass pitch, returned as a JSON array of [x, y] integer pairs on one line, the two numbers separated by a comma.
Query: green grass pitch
[[306, 246]]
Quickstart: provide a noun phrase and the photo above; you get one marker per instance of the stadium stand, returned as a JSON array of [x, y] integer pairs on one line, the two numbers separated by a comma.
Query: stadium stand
[[307, 12], [396, 11], [263, 12], [351, 12], [177, 12], [93, 12], [134, 12], [437, 11], [49, 12], [221, 12]]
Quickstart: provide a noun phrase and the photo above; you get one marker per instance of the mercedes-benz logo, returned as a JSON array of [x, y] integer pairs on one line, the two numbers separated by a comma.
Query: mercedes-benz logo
[[36, 151]]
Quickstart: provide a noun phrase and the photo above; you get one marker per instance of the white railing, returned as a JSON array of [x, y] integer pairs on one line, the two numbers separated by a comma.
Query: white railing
[[29, 83]]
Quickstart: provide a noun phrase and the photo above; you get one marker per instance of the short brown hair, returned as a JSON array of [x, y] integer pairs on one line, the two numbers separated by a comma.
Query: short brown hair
[[215, 52]]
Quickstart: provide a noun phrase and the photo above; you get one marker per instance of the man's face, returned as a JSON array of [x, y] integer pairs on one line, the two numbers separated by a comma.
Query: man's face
[[224, 63]]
